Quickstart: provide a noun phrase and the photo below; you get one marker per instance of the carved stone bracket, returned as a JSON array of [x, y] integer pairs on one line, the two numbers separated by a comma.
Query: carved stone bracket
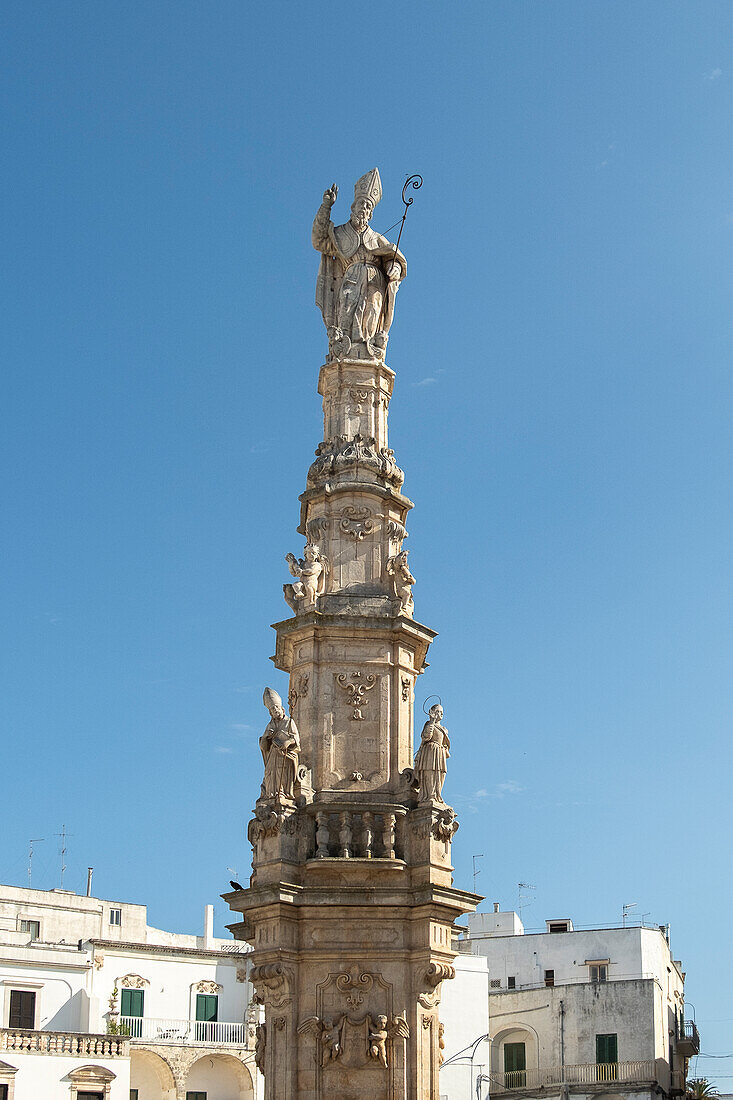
[[432, 977], [272, 984], [356, 686], [406, 684], [444, 824], [270, 819]]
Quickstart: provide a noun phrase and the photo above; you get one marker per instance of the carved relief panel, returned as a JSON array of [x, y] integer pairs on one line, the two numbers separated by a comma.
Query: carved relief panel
[[356, 1041]]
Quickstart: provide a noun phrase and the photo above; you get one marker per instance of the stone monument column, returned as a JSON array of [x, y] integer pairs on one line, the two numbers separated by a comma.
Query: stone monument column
[[351, 901]]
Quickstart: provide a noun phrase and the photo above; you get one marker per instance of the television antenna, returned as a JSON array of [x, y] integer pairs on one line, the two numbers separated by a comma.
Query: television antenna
[[476, 872], [625, 911], [64, 837], [522, 902], [37, 840]]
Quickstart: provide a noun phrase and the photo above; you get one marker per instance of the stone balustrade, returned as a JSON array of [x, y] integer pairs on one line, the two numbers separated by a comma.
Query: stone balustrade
[[341, 833], [64, 1042]]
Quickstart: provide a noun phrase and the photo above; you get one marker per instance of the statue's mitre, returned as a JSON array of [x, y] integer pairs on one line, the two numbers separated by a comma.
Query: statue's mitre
[[271, 698], [369, 187]]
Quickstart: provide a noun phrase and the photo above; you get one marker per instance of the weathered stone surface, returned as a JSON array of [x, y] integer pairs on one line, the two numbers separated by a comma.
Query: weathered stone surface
[[351, 901]]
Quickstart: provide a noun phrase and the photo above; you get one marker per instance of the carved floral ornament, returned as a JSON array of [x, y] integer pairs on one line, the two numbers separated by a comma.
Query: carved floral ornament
[[207, 987], [132, 981]]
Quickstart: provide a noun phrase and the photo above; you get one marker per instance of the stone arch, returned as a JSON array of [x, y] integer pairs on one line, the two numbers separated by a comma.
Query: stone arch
[[515, 1031], [147, 1066], [222, 1077]]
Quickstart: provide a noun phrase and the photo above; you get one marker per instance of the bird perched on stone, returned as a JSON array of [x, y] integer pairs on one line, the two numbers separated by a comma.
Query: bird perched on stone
[[235, 885]]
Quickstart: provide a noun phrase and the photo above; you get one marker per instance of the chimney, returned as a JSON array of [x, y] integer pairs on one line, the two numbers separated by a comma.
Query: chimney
[[90, 872], [209, 927], [496, 906]]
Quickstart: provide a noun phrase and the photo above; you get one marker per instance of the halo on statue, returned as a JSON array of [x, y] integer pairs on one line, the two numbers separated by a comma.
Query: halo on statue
[[428, 700]]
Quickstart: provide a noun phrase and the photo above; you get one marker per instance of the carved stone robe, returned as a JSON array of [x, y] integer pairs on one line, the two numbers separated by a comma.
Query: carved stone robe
[[280, 747], [352, 279]]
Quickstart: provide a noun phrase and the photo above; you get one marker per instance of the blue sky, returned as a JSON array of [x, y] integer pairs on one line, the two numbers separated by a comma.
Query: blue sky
[[562, 412]]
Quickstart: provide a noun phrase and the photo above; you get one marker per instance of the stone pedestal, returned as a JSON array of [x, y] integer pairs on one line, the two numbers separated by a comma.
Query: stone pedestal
[[351, 905]]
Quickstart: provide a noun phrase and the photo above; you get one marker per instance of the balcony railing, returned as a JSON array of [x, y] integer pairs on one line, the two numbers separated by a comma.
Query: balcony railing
[[688, 1042], [588, 1073], [151, 1029], [64, 1042]]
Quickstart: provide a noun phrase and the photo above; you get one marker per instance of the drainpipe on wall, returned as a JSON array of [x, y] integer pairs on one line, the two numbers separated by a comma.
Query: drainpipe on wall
[[562, 1041]]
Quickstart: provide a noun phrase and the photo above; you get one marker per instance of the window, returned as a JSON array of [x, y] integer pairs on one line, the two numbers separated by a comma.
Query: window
[[90, 1096], [195, 1096], [495, 983], [3, 1092], [132, 1006], [207, 1013], [558, 926], [515, 1066], [32, 926], [549, 977], [606, 1057], [22, 1009], [115, 916], [511, 983], [134, 1094], [598, 971]]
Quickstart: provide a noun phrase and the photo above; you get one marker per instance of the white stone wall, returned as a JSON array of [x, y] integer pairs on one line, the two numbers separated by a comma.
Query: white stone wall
[[46, 1076], [464, 1013]]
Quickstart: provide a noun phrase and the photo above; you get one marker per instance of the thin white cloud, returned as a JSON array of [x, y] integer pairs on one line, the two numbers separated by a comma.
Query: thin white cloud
[[223, 748], [714, 74], [240, 726], [429, 381]]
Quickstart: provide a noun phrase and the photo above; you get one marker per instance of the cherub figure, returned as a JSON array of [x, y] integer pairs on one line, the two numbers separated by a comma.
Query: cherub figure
[[312, 570], [378, 1036], [402, 582], [331, 1040]]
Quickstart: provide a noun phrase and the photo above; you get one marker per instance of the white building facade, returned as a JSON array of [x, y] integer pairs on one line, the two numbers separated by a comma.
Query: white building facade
[[98, 1005], [597, 1012]]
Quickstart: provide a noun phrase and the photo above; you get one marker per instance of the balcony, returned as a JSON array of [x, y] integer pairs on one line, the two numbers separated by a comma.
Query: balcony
[[64, 1042], [688, 1043], [152, 1029], [588, 1073]]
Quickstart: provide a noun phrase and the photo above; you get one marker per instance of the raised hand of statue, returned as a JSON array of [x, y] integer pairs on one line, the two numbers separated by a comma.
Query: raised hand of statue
[[329, 196]]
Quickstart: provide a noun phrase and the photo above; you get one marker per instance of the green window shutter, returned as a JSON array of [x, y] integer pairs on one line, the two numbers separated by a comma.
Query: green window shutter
[[606, 1049], [132, 1002], [207, 1007], [515, 1058]]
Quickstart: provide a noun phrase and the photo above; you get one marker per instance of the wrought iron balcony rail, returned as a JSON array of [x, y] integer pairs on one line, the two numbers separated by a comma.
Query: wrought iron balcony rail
[[588, 1073]]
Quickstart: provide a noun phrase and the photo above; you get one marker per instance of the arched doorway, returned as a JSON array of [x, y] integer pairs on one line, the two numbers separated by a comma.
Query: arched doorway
[[151, 1076], [221, 1077]]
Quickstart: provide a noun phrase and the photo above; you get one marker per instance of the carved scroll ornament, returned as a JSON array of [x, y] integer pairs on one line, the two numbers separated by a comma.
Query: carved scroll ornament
[[356, 686]]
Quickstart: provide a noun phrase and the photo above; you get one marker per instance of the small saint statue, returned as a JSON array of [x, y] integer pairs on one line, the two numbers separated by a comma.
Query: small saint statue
[[359, 276], [431, 760], [280, 747], [311, 570], [402, 582]]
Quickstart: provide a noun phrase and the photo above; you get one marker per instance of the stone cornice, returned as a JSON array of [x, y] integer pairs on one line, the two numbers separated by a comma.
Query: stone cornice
[[161, 949]]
